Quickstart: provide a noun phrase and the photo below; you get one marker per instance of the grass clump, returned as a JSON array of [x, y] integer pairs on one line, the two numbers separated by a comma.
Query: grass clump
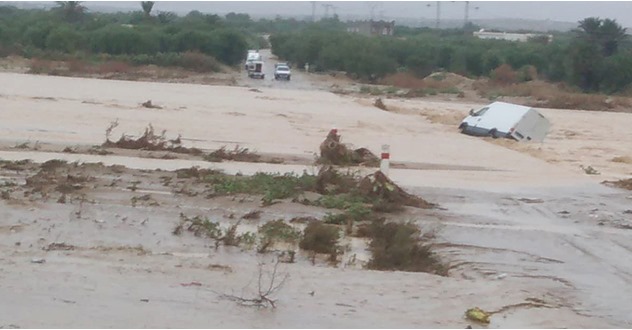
[[271, 186], [340, 201], [353, 213]]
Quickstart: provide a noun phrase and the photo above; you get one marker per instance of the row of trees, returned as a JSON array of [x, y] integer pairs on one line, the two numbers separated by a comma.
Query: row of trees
[[595, 57], [69, 29]]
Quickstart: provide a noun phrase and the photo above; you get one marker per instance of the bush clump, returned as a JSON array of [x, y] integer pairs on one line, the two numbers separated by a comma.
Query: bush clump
[[320, 238], [276, 231], [398, 246]]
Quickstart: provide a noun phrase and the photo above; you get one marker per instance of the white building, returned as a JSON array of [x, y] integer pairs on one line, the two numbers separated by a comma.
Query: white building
[[521, 37]]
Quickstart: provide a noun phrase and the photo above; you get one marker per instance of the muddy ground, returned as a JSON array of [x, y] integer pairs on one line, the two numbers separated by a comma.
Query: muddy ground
[[524, 230]]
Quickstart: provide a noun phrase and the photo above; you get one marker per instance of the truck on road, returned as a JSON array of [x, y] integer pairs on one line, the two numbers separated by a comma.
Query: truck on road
[[253, 55], [282, 72], [255, 70]]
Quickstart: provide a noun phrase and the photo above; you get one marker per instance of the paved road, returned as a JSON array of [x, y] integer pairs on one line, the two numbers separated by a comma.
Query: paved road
[[300, 79]]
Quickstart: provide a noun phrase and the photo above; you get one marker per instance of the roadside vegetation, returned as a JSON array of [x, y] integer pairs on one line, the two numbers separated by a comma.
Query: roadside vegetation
[[358, 206], [596, 57], [70, 32]]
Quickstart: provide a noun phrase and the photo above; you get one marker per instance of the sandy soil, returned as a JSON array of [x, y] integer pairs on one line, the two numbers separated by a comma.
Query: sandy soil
[[522, 226]]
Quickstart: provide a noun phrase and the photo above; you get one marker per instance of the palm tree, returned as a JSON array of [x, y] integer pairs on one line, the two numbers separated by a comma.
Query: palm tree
[[606, 33], [147, 7], [71, 10], [612, 35]]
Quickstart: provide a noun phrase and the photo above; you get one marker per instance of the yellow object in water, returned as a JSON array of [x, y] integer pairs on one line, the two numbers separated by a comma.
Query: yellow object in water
[[477, 314]]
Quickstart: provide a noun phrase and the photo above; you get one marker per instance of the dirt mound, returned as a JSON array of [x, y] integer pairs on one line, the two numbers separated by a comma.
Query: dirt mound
[[443, 82], [449, 79], [403, 80], [333, 152]]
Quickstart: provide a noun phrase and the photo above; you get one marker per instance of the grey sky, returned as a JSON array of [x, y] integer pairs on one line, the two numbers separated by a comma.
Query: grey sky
[[565, 11]]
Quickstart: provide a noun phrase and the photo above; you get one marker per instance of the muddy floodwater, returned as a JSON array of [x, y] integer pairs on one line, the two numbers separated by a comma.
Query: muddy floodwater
[[525, 232]]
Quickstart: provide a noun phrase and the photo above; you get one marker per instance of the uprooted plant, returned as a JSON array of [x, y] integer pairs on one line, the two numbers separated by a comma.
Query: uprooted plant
[[623, 183], [201, 226], [269, 283], [237, 154], [334, 152], [149, 140], [342, 191]]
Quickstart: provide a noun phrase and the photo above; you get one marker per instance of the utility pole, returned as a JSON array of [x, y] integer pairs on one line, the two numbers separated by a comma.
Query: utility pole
[[327, 6], [313, 11], [373, 6], [438, 23], [467, 13]]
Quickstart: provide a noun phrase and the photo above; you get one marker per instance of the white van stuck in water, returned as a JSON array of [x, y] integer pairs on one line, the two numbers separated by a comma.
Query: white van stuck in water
[[501, 119]]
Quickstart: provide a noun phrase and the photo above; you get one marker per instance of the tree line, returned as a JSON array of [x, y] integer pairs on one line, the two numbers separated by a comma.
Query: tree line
[[595, 57], [70, 29]]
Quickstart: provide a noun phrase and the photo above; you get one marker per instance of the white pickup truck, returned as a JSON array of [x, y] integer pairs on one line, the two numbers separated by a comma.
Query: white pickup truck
[[282, 72]]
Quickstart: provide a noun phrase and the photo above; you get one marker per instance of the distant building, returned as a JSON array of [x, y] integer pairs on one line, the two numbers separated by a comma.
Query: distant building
[[520, 37], [372, 28]]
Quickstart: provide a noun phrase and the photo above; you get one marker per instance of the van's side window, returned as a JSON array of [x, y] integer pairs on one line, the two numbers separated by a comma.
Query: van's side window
[[480, 112]]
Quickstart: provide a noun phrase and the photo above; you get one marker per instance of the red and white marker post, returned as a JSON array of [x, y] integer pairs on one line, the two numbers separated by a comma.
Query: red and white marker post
[[385, 159]]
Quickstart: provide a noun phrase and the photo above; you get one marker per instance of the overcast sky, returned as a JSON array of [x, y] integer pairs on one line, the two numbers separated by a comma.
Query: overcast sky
[[565, 11]]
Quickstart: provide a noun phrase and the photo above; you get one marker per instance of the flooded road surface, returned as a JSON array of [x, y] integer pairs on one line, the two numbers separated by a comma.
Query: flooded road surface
[[566, 249], [541, 244], [300, 80], [579, 238]]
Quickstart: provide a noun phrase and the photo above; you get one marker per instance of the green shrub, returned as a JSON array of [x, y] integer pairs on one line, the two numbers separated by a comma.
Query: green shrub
[[199, 62], [63, 39], [276, 231], [396, 246], [320, 238]]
